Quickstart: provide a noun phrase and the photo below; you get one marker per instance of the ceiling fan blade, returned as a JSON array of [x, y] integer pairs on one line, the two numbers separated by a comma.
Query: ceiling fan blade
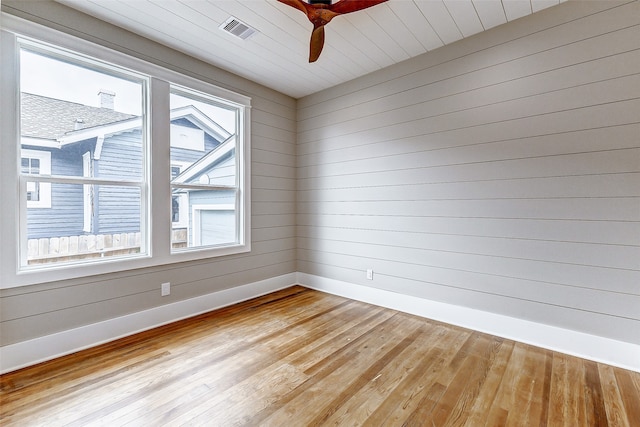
[[298, 4], [347, 6], [321, 14], [317, 43]]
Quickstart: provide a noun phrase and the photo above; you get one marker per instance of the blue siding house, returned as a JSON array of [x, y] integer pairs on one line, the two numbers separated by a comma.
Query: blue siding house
[[65, 138]]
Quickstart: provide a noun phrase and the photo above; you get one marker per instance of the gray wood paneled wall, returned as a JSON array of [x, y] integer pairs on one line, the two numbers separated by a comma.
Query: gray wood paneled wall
[[500, 173], [39, 310]]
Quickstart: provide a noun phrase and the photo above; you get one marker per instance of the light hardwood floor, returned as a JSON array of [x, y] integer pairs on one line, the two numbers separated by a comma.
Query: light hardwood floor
[[300, 357]]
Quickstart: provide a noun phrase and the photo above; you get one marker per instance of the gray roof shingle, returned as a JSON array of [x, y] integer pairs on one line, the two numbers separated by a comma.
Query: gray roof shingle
[[50, 118]]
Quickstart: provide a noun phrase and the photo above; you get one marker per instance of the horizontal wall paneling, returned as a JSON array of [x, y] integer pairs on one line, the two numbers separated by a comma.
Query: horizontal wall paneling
[[499, 173]]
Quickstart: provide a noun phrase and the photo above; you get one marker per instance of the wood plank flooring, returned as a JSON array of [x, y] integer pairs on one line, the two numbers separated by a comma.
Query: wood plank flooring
[[302, 358]]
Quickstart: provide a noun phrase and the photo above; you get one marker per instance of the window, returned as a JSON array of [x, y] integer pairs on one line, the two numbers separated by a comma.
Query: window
[[91, 203], [209, 172], [179, 209], [34, 162], [93, 135]]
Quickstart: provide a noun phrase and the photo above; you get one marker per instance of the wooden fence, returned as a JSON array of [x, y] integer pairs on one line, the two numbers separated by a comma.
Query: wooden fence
[[70, 248]]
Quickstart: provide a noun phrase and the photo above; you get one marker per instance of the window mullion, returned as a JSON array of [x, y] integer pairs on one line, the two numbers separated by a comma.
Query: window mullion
[[159, 170]]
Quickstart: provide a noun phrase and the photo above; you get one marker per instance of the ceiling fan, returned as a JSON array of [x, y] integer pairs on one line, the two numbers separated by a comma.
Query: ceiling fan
[[320, 12]]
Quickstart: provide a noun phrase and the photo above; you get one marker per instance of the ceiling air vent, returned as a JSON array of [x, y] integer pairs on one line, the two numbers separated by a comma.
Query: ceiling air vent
[[238, 28]]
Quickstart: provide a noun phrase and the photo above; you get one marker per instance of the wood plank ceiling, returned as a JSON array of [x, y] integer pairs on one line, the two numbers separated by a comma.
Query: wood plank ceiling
[[356, 44]]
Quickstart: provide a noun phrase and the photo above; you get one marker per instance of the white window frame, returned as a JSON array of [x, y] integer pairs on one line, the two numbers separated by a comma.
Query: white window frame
[[44, 194], [12, 272]]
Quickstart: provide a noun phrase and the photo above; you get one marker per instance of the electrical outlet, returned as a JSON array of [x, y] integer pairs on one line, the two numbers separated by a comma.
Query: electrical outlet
[[369, 274], [165, 289]]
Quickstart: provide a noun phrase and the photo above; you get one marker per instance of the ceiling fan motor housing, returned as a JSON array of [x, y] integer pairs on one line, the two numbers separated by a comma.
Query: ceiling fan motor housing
[[327, 2]]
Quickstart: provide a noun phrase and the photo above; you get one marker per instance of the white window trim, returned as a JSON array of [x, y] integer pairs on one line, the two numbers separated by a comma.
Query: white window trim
[[45, 169], [11, 273]]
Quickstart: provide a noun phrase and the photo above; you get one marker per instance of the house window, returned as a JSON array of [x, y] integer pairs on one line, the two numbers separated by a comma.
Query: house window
[[179, 208], [36, 162], [89, 211], [92, 141], [210, 176]]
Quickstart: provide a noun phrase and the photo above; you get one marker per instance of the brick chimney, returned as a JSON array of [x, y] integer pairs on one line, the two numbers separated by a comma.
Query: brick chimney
[[106, 98]]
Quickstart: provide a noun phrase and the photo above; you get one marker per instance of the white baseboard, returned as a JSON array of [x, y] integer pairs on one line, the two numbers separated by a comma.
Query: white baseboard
[[27, 353], [599, 349]]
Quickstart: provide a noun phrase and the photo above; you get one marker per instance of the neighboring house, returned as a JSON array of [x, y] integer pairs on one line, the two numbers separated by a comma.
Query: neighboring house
[[65, 138]]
